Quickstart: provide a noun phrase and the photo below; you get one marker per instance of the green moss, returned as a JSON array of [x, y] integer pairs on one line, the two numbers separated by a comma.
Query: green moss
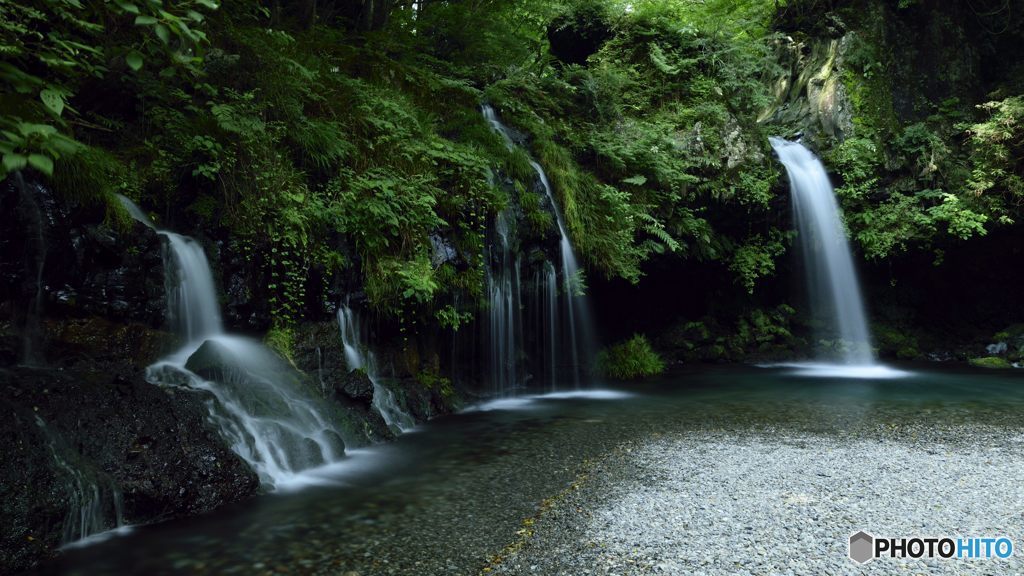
[[990, 362], [898, 342], [431, 380], [281, 339], [630, 360]]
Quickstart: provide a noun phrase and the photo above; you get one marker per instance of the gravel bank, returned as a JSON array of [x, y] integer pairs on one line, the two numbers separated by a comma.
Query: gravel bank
[[785, 503]]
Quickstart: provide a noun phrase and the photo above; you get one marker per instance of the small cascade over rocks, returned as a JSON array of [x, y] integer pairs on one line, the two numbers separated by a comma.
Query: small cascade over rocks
[[358, 356], [94, 503], [261, 406], [550, 320], [832, 278]]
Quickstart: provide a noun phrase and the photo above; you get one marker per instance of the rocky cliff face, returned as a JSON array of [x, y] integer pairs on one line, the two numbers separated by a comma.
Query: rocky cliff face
[[810, 96], [88, 443]]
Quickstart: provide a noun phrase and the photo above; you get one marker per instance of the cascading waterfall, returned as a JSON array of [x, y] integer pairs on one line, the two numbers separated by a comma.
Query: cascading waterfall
[[564, 337], [260, 405], [834, 289], [359, 357]]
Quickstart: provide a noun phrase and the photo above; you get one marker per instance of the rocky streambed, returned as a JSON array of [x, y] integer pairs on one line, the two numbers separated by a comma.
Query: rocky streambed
[[781, 503]]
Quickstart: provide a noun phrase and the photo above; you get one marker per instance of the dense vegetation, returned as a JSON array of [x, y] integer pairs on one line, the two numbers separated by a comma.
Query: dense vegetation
[[326, 139]]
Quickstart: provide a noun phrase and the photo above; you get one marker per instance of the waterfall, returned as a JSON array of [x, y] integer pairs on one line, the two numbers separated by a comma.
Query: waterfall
[[359, 357], [835, 292], [505, 313], [564, 333], [260, 405]]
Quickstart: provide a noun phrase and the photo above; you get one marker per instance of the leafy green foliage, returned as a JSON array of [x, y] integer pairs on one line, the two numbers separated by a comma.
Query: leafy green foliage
[[653, 135], [997, 150], [630, 360]]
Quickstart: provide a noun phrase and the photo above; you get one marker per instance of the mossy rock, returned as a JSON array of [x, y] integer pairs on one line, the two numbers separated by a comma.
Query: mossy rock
[[990, 362]]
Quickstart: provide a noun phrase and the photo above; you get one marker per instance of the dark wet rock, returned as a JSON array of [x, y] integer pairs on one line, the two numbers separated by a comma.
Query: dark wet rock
[[58, 258], [212, 360], [443, 250], [418, 401], [155, 445], [357, 386]]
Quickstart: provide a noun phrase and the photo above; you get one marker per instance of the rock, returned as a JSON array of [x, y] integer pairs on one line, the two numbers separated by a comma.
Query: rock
[[357, 386], [156, 446], [318, 353], [443, 250], [810, 95], [996, 349], [212, 360]]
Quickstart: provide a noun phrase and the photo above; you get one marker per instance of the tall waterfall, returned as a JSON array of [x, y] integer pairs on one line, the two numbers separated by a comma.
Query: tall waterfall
[[358, 356], [834, 289], [260, 405], [558, 330]]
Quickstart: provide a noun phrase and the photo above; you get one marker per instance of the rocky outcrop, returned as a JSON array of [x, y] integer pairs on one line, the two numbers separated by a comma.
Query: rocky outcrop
[[810, 98], [66, 431], [321, 357], [59, 259]]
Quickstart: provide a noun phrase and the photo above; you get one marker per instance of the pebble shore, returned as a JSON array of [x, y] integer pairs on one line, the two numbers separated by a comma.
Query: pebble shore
[[710, 504]]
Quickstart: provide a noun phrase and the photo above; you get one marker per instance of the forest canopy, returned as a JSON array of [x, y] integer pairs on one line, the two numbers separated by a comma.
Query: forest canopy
[[321, 138]]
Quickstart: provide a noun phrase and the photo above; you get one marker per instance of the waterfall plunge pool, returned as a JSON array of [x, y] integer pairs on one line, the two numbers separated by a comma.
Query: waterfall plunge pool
[[449, 496]]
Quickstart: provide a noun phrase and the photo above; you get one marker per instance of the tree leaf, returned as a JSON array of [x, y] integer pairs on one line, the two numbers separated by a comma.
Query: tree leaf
[[145, 20], [163, 33], [638, 180], [129, 7], [134, 60], [14, 162], [208, 4], [42, 163], [53, 100]]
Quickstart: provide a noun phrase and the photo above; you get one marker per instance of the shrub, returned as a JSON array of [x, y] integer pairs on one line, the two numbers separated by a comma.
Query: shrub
[[630, 360]]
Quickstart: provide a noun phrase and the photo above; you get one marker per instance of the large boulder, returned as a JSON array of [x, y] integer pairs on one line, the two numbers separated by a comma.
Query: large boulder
[[106, 426]]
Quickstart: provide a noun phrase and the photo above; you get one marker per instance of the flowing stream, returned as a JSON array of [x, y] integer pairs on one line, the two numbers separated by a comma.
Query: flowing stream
[[832, 278], [261, 406], [454, 494]]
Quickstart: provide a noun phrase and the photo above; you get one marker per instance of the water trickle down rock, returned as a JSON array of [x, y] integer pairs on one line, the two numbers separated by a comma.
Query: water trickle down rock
[[262, 407]]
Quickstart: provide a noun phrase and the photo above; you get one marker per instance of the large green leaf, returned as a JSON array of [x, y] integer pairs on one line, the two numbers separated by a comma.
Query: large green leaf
[[53, 100], [14, 162], [42, 163], [134, 60]]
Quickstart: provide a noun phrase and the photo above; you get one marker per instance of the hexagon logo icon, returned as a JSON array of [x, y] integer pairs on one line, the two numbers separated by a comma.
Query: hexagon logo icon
[[862, 547]]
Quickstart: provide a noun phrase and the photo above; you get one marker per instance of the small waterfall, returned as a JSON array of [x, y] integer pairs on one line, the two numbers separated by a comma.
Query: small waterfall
[[93, 506], [260, 405], [505, 313], [835, 291], [359, 357], [566, 328]]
